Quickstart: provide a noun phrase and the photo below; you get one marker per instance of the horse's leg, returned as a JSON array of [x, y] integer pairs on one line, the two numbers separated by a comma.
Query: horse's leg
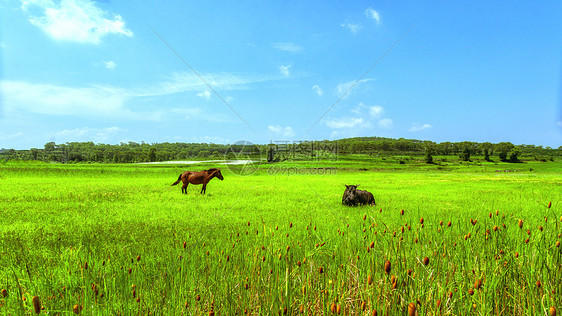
[[204, 188], [184, 187]]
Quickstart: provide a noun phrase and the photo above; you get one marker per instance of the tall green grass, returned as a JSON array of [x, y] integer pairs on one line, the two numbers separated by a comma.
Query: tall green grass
[[118, 239]]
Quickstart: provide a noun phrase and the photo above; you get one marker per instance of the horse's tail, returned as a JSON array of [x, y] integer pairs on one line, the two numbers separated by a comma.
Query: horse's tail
[[179, 179]]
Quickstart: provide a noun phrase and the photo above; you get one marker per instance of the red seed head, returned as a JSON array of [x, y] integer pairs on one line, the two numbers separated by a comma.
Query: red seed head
[[412, 309], [76, 309], [36, 304], [549, 204], [4, 293], [449, 224], [421, 220], [470, 292], [520, 223], [478, 284], [387, 266], [426, 261], [552, 311]]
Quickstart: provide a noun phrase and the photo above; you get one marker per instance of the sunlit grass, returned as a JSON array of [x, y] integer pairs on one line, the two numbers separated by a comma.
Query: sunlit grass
[[118, 239]]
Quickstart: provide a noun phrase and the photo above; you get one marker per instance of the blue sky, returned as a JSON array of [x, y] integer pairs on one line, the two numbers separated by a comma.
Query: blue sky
[[223, 71]]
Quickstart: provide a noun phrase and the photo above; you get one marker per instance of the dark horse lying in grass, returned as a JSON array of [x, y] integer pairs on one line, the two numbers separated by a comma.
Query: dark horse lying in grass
[[198, 177], [354, 197]]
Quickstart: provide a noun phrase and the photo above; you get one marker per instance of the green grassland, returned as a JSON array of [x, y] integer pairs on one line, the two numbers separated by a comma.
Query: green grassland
[[120, 240]]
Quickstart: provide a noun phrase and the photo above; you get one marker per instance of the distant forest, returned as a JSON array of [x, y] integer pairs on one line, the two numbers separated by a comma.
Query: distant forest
[[132, 152]]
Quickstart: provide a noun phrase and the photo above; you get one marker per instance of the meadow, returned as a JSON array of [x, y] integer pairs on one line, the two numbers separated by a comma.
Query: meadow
[[443, 239]]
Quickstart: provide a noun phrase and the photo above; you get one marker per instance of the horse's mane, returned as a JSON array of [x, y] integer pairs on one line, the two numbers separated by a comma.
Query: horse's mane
[[212, 169]]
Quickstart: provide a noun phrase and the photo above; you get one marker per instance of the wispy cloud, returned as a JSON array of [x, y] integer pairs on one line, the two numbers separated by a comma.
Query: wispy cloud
[[74, 20], [110, 64], [86, 133], [372, 14], [374, 111], [318, 90], [344, 122], [285, 70], [199, 114], [386, 123], [10, 136], [100, 101], [287, 47], [364, 117], [205, 95], [354, 28], [282, 131], [416, 127], [107, 101], [353, 85]]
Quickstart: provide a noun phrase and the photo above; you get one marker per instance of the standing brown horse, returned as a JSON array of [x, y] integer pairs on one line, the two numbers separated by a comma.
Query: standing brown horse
[[198, 177]]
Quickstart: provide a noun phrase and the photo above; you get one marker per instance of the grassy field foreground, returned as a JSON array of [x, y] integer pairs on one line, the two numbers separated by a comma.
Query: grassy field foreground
[[119, 240]]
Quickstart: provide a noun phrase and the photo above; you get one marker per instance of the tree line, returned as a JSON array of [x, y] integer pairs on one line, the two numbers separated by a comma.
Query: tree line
[[132, 152]]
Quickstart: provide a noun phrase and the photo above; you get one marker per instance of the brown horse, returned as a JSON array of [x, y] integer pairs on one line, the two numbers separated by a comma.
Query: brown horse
[[198, 177]]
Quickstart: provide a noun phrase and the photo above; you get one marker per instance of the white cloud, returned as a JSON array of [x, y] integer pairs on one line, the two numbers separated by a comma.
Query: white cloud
[[74, 20], [386, 123], [205, 95], [285, 70], [86, 133], [209, 139], [347, 87], [199, 114], [416, 127], [318, 90], [372, 14], [10, 136], [105, 101], [60, 100], [282, 131], [345, 122], [185, 81], [354, 28], [110, 64], [287, 47], [365, 118], [374, 111]]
